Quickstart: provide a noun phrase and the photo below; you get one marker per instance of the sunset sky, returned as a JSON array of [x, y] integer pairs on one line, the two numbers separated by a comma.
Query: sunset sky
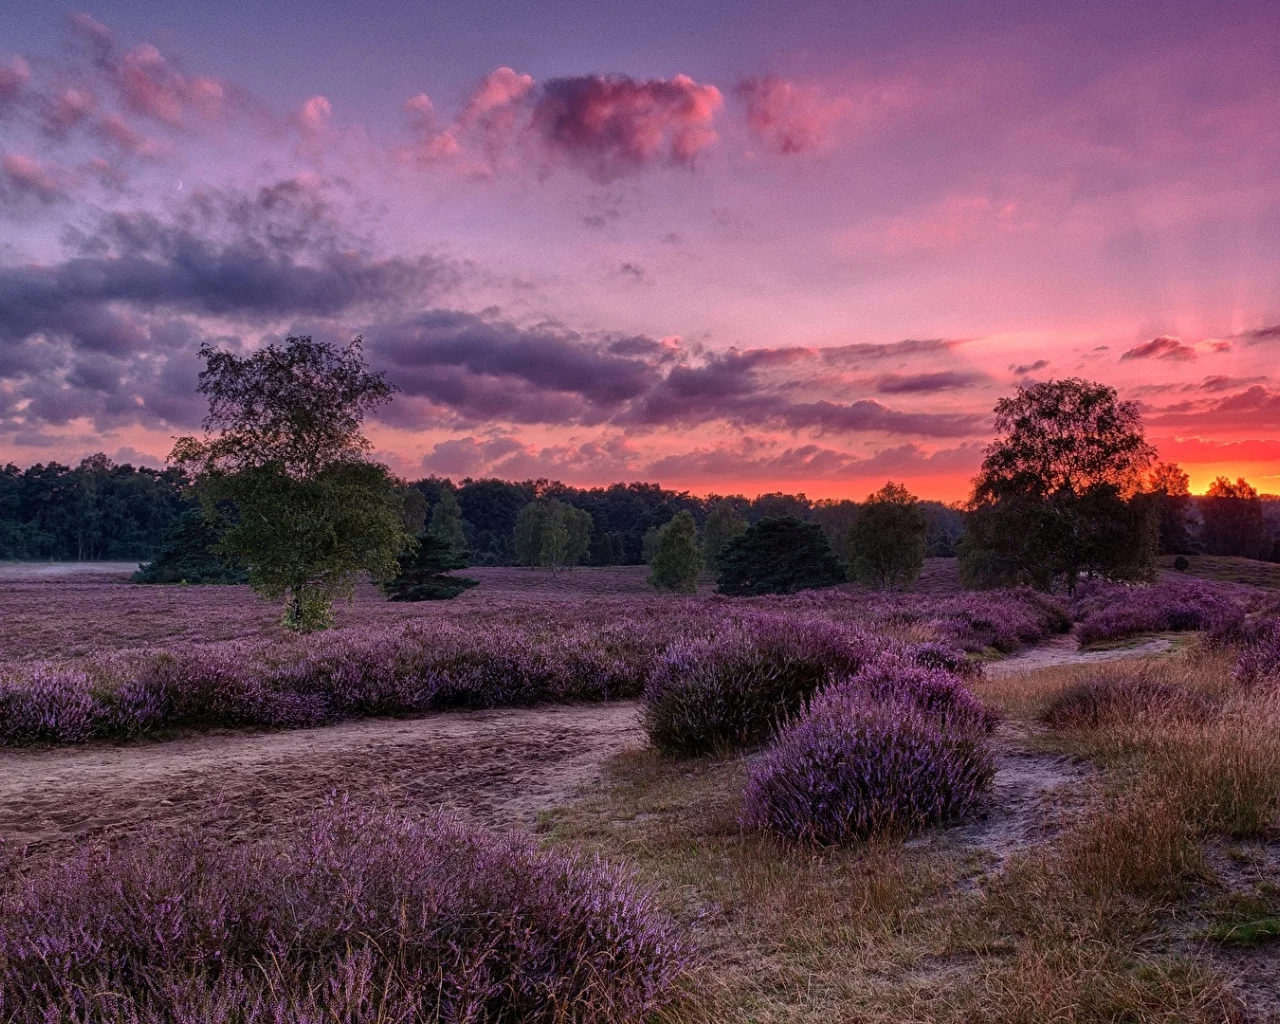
[[724, 246]]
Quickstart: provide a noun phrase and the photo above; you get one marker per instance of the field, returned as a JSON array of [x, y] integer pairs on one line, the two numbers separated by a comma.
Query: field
[[1124, 865]]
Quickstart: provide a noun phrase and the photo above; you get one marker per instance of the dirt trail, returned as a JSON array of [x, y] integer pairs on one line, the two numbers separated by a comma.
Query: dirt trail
[[498, 767], [1065, 650]]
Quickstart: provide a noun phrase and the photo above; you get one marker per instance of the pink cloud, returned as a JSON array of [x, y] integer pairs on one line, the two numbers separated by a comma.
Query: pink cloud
[[1164, 347], [498, 89], [151, 86], [27, 177], [13, 79], [70, 108], [313, 117], [611, 125], [789, 118], [115, 130]]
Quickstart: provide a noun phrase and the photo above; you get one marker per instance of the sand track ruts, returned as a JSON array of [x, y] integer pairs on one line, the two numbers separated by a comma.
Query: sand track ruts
[[499, 767]]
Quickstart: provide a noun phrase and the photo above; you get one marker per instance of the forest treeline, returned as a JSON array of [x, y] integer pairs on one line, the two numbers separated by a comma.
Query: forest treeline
[[99, 510]]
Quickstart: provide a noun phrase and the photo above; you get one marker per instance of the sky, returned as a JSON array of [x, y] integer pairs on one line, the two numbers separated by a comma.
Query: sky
[[727, 247]]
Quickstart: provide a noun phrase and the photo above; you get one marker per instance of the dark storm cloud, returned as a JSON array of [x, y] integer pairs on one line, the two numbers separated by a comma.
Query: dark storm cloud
[[267, 256]]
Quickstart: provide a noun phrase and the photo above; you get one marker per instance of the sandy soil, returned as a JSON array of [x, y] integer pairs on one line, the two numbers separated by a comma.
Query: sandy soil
[[497, 767], [1065, 650]]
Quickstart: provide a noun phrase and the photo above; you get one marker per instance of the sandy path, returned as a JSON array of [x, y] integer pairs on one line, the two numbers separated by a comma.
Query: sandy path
[[1065, 650], [500, 767]]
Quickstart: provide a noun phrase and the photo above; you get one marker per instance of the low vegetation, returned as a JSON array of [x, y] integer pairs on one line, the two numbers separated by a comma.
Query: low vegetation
[[369, 917]]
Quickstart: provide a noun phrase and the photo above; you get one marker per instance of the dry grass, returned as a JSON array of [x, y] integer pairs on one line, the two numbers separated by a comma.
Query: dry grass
[[1227, 569], [1076, 930]]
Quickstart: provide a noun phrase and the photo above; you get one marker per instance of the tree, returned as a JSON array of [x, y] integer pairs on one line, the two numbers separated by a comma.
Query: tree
[[886, 543], [446, 522], [312, 513], [552, 533], [678, 560], [723, 525], [187, 555], [779, 556], [424, 572], [1057, 495], [1233, 520], [1170, 487]]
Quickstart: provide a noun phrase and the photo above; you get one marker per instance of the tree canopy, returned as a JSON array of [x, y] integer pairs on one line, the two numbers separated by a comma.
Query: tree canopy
[[724, 524], [1233, 520], [678, 559], [779, 556], [425, 572], [1058, 495], [283, 448], [552, 533], [886, 544]]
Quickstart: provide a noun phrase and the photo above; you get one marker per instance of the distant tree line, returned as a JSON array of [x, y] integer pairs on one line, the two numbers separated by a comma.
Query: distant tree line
[[101, 511], [95, 511]]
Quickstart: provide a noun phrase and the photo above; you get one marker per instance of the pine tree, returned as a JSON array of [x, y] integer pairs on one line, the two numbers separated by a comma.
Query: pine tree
[[424, 572]]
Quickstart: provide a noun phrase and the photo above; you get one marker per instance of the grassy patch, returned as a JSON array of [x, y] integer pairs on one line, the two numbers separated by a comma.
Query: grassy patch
[[1227, 569]]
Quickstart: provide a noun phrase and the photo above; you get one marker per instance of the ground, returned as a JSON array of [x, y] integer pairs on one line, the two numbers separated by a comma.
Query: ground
[[1002, 917]]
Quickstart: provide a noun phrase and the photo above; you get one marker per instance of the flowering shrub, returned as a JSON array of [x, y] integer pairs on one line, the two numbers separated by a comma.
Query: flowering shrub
[[1116, 694], [1108, 611], [906, 675], [733, 690], [855, 764], [513, 653], [370, 918]]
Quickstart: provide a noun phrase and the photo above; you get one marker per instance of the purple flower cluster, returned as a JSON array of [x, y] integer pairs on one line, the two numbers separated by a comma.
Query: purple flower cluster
[[732, 690], [368, 918], [859, 763], [1108, 611], [570, 650]]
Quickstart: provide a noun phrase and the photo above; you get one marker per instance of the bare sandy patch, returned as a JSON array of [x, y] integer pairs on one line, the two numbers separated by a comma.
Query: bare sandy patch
[[498, 767]]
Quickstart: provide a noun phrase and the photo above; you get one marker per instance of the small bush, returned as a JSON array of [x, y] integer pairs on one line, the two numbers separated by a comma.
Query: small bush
[[1120, 695], [1110, 611], [369, 918], [1181, 564], [733, 691], [853, 766]]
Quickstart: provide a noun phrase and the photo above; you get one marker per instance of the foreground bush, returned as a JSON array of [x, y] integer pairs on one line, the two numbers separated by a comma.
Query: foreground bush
[[733, 691], [370, 918], [854, 765], [1110, 611]]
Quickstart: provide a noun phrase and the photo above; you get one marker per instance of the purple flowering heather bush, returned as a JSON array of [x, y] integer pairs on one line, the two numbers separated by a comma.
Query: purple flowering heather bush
[[507, 655], [368, 918], [857, 764], [1109, 611]]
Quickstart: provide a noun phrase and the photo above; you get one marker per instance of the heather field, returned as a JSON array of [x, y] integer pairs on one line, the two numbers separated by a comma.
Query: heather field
[[565, 798]]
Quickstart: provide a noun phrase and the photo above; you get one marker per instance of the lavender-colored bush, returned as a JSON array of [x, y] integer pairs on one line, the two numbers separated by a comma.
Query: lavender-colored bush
[[370, 918], [1109, 611], [902, 674], [515, 653], [732, 691], [854, 765]]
